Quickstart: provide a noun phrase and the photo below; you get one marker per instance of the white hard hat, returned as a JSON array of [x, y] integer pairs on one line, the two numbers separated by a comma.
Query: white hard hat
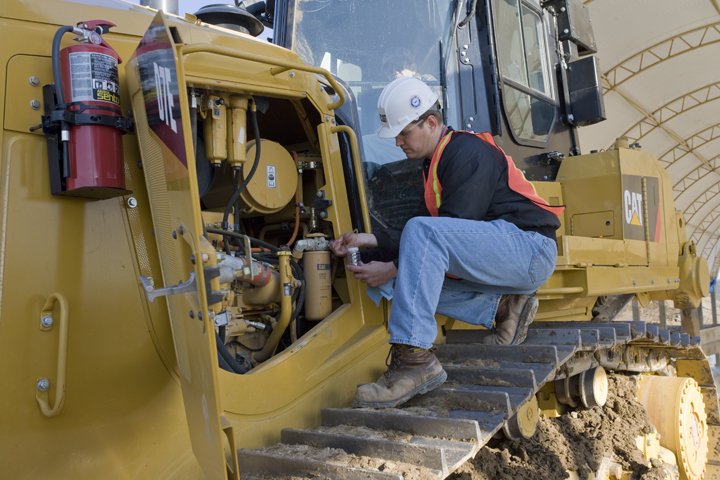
[[402, 102]]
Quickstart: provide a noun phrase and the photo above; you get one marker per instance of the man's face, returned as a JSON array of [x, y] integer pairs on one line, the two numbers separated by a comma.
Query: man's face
[[418, 139]]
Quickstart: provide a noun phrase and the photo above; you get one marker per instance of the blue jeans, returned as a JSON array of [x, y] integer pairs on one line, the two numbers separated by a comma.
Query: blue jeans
[[491, 258]]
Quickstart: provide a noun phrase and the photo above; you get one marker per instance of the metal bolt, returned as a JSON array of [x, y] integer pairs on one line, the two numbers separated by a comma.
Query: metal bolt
[[34, 81], [468, 125], [199, 315], [35, 104], [174, 234], [205, 257], [42, 384], [192, 259], [192, 314], [562, 9], [181, 230], [292, 74], [472, 119], [47, 321], [132, 202], [465, 47], [566, 31]]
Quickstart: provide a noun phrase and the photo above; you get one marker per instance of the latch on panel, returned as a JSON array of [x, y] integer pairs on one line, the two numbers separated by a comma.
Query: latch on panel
[[152, 293]]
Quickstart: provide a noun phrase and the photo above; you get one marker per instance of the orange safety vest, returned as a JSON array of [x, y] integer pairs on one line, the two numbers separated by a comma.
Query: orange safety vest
[[516, 180]]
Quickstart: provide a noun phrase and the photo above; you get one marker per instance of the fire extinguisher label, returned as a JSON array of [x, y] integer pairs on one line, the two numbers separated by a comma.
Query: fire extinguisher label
[[94, 77]]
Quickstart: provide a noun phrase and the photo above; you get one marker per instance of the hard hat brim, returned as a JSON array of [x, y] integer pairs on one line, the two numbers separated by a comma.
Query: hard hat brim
[[390, 132]]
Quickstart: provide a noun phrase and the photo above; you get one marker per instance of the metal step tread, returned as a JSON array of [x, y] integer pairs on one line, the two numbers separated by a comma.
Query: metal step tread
[[432, 454], [292, 461], [435, 433]]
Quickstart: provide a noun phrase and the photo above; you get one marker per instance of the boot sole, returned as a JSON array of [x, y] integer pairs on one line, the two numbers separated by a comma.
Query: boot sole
[[431, 384], [527, 315]]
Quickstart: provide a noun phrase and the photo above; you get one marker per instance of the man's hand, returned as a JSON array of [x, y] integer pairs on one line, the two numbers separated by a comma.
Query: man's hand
[[374, 273], [351, 239]]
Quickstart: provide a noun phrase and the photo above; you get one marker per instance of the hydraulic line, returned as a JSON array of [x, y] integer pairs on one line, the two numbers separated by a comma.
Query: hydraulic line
[[226, 359], [253, 240], [273, 340], [242, 184]]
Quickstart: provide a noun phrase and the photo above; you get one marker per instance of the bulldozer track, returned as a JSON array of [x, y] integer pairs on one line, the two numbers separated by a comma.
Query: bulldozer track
[[436, 433]]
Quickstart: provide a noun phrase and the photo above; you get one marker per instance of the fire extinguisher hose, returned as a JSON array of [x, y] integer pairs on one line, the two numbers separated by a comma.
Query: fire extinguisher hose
[[59, 90], [56, 62]]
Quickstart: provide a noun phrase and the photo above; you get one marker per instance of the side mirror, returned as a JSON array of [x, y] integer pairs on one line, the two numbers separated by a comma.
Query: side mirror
[[586, 100]]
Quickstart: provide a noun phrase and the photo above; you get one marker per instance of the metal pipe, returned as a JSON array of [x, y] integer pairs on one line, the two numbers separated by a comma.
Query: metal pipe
[[169, 6], [286, 281]]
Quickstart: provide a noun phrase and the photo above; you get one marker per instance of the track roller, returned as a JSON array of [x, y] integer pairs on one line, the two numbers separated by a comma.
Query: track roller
[[525, 421], [590, 387], [676, 408]]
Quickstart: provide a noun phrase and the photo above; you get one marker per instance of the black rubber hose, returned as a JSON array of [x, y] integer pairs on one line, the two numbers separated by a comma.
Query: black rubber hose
[[253, 240], [225, 356], [300, 299], [59, 94], [241, 186], [57, 75], [224, 364]]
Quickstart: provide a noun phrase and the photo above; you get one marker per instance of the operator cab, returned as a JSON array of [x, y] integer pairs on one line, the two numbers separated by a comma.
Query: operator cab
[[499, 66]]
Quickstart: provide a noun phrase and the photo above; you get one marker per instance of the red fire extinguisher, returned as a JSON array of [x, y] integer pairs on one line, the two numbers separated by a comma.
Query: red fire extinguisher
[[86, 121]]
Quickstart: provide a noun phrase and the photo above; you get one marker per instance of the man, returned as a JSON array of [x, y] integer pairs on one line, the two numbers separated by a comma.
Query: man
[[489, 236]]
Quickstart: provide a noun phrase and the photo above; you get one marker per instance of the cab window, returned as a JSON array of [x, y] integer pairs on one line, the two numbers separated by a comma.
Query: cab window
[[527, 87]]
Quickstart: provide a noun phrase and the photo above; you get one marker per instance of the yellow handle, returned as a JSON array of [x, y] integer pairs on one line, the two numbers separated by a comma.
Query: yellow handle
[[360, 179], [43, 386], [281, 65]]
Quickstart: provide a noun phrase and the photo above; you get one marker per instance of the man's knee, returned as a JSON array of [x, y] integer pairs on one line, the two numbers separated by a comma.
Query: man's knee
[[418, 226]]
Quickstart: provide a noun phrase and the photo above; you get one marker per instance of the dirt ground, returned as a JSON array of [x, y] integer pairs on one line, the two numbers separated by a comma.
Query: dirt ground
[[576, 442]]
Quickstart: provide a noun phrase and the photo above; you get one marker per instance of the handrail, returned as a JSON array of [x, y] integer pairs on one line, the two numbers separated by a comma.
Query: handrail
[[281, 65], [42, 390], [355, 151]]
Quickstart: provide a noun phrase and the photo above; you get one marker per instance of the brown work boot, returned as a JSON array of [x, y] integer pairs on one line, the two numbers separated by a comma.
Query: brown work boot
[[514, 315], [411, 371]]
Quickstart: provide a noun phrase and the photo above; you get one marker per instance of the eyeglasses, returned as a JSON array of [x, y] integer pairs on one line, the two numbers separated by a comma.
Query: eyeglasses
[[403, 135]]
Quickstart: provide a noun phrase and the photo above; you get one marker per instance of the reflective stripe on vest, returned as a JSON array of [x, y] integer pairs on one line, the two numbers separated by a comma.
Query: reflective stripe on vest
[[516, 180]]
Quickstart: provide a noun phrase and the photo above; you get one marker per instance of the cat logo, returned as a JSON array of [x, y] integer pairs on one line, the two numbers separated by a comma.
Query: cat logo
[[633, 208]]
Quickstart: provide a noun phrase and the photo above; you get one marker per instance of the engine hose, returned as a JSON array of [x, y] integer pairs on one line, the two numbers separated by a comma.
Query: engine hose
[[286, 277], [237, 175], [241, 186], [224, 364], [253, 240], [299, 299], [226, 359]]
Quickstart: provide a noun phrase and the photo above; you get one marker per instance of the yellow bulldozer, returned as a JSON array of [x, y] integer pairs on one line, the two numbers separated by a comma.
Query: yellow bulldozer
[[169, 306]]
